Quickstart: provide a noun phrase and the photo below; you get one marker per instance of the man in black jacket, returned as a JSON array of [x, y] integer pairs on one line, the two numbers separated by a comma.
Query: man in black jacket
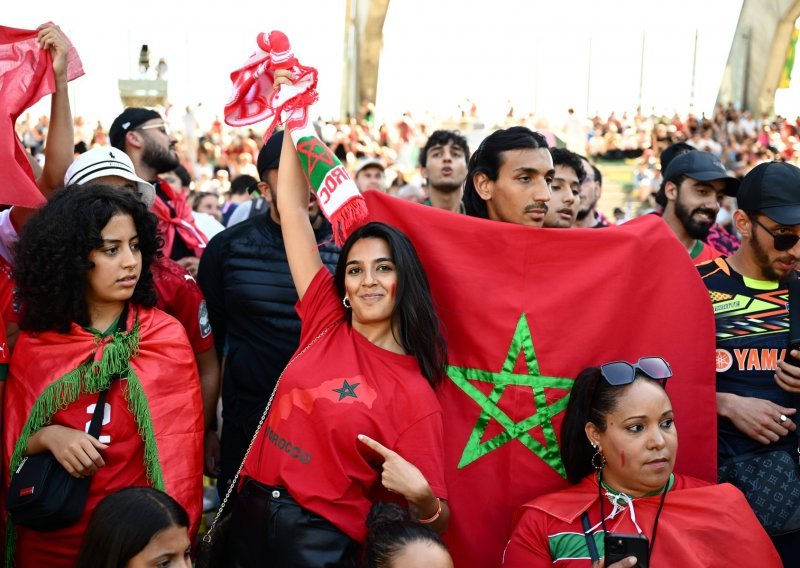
[[251, 300]]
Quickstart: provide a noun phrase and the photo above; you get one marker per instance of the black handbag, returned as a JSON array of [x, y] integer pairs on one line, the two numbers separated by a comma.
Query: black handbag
[[771, 483], [42, 495]]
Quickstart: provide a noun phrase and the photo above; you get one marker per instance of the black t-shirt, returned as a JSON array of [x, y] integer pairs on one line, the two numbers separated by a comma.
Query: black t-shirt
[[752, 327]]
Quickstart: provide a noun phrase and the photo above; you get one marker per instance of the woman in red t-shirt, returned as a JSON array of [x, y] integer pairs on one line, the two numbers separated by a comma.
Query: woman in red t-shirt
[[355, 419]]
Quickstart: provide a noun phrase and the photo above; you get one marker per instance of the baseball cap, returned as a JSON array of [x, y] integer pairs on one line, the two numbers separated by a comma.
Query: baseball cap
[[106, 161], [269, 158], [773, 188], [369, 162], [127, 121], [701, 166]]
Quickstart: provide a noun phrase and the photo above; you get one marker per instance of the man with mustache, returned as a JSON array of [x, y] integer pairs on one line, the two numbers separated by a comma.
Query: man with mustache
[[758, 393], [145, 137], [565, 190], [509, 178], [694, 185]]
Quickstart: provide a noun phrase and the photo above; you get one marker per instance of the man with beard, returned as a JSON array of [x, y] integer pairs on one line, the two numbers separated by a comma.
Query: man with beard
[[564, 190], [443, 163], [591, 189], [758, 393], [251, 297], [144, 136], [694, 185], [509, 178]]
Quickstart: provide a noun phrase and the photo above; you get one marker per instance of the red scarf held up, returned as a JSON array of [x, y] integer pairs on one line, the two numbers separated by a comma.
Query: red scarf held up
[[255, 99], [26, 75], [182, 223]]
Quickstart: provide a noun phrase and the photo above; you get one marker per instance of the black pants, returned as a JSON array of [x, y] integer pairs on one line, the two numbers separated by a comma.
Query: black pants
[[269, 529]]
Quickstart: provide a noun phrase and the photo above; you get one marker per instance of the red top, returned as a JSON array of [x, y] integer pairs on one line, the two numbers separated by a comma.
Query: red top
[[703, 252], [8, 308], [181, 297], [700, 526], [341, 387]]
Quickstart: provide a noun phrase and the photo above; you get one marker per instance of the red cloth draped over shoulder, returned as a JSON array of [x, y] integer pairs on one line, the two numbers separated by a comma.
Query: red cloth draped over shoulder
[[165, 367], [26, 75], [524, 311], [182, 223], [701, 525]]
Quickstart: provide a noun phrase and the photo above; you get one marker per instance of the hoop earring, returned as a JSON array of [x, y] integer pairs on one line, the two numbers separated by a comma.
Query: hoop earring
[[598, 459], [346, 302]]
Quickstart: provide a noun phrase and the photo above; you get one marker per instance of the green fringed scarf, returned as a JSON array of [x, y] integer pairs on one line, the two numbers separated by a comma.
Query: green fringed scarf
[[91, 377]]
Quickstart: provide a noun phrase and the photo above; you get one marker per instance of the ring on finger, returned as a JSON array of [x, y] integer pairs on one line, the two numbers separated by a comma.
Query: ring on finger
[[783, 418]]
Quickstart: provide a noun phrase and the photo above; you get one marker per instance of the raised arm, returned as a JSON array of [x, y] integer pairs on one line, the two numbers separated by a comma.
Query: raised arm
[[298, 235], [59, 145]]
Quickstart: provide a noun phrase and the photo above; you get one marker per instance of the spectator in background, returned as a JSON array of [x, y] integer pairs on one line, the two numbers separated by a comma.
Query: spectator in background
[[564, 189], [443, 163], [370, 173], [242, 190], [268, 160]]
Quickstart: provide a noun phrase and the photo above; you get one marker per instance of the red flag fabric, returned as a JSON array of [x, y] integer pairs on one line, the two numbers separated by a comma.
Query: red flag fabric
[[524, 311], [26, 75], [167, 394]]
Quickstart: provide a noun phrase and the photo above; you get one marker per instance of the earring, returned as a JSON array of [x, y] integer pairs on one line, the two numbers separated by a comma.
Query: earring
[[598, 459], [346, 302]]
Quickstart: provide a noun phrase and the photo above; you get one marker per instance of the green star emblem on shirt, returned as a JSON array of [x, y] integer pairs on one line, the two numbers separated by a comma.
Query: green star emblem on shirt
[[347, 390], [543, 417]]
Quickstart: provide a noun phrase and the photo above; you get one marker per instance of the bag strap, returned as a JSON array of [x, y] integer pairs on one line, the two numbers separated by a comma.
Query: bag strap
[[232, 486], [99, 407], [593, 554]]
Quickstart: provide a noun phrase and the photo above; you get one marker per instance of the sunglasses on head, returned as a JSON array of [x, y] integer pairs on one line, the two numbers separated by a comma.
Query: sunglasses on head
[[781, 242], [618, 373]]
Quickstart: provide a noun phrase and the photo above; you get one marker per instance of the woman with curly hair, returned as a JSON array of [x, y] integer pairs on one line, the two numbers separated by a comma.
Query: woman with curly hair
[[88, 319]]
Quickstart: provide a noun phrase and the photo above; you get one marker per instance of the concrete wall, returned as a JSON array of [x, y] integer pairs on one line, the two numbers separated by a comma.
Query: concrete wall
[[757, 54]]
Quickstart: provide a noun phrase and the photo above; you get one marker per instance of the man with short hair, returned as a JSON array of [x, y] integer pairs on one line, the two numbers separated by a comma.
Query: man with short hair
[[241, 192], [145, 137], [509, 178], [591, 190], [245, 276], [370, 173], [758, 393], [267, 165], [443, 163], [564, 189], [694, 185]]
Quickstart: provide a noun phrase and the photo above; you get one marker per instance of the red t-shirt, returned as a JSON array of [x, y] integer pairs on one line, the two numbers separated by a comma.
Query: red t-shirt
[[8, 306], [341, 387], [123, 458], [181, 297]]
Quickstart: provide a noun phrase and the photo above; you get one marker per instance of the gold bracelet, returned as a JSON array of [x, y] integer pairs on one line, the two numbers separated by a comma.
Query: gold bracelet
[[435, 515]]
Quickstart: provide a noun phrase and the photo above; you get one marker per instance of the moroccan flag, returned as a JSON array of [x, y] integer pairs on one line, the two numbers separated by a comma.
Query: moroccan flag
[[26, 75], [524, 311]]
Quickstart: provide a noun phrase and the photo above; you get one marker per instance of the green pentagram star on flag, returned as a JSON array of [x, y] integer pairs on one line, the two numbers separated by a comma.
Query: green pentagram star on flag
[[461, 376]]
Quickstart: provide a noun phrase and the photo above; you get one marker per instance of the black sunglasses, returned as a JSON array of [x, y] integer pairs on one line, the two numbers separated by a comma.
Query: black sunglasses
[[618, 373], [780, 242]]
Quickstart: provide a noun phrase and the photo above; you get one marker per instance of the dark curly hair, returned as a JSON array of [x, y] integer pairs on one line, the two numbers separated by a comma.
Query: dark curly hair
[[443, 138], [52, 256], [563, 157]]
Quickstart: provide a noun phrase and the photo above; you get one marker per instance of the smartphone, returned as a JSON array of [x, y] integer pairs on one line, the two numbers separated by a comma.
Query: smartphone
[[794, 319], [619, 546]]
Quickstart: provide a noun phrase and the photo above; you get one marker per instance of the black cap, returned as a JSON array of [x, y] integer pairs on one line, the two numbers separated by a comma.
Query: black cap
[[269, 158], [773, 188], [127, 121], [701, 166]]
